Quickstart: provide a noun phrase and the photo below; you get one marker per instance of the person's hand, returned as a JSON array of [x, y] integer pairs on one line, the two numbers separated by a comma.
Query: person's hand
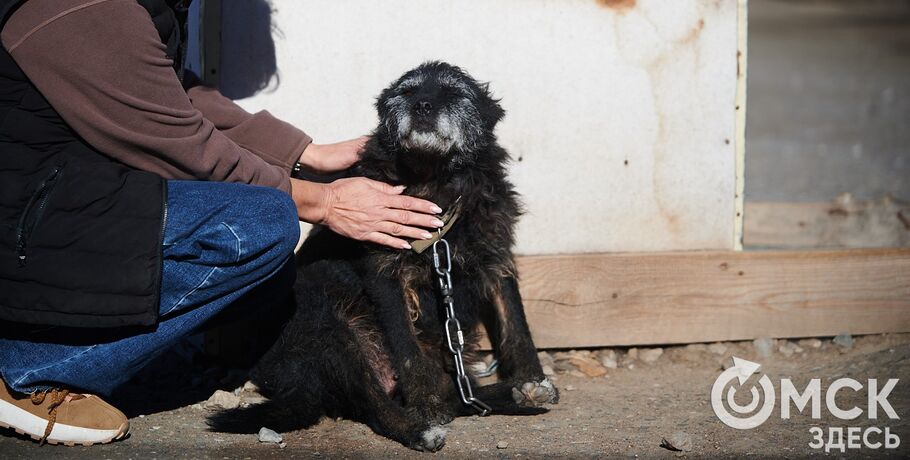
[[330, 158], [366, 210]]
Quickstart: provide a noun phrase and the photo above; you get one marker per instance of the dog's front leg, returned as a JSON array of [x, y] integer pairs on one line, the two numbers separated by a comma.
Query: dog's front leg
[[515, 349], [423, 382]]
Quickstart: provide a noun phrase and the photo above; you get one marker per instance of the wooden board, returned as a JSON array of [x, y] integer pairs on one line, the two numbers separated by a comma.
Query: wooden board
[[843, 223], [665, 298]]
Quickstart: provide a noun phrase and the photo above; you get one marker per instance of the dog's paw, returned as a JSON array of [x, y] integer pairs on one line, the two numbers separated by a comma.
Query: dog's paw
[[430, 440], [535, 394]]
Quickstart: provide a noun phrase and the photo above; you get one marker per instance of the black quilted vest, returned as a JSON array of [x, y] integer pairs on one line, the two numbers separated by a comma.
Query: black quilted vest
[[80, 234]]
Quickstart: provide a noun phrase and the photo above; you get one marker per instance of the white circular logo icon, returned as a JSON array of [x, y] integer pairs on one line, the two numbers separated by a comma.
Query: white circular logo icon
[[741, 371]]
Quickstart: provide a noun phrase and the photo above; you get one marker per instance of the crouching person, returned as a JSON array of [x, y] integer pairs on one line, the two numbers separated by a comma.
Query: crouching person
[[135, 205]]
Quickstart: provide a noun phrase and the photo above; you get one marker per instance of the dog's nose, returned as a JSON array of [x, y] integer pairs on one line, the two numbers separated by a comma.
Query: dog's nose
[[423, 108]]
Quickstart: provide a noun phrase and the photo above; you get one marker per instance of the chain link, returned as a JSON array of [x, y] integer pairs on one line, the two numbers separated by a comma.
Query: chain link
[[454, 334]]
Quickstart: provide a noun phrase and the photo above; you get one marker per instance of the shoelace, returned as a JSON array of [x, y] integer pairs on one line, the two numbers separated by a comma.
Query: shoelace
[[57, 398]]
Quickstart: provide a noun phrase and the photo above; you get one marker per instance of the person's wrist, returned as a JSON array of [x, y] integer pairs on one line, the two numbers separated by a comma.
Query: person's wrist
[[312, 200], [309, 158]]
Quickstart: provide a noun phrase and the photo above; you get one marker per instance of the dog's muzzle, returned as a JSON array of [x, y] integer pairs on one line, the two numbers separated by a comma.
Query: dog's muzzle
[[425, 132]]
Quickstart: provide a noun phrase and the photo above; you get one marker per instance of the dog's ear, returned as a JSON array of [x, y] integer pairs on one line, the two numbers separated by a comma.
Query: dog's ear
[[489, 107], [382, 98]]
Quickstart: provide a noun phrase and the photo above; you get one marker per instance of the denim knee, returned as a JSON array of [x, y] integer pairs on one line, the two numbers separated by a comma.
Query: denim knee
[[274, 215]]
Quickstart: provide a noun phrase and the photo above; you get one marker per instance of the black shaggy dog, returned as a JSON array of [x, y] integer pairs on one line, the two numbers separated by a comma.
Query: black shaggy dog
[[367, 341]]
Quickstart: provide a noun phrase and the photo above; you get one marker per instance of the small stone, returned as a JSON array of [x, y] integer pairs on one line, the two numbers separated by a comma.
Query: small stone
[[545, 359], [810, 343], [562, 366], [679, 442], [561, 361], [584, 353], [222, 400], [589, 366], [548, 371], [787, 348], [282, 445], [576, 373], [697, 347], [569, 388], [609, 362], [607, 353], [632, 353], [763, 346], [502, 445], [268, 435], [844, 341], [156, 427], [717, 348], [650, 355], [250, 387]]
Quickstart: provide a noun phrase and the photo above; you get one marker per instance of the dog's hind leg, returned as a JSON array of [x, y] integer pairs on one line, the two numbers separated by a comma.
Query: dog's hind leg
[[423, 382], [372, 406], [515, 349], [338, 378], [358, 375], [289, 375], [284, 413]]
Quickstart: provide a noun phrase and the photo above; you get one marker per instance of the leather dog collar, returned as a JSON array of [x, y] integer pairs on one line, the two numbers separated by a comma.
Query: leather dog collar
[[448, 218]]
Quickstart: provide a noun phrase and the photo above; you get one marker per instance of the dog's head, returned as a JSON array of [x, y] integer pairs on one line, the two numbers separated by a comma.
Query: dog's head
[[438, 109]]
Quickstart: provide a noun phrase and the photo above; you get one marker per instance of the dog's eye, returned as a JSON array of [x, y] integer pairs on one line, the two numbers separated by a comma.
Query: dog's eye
[[456, 92], [407, 91]]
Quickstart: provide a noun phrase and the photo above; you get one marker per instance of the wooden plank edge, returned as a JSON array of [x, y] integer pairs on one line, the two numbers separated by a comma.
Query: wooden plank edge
[[742, 25], [598, 300]]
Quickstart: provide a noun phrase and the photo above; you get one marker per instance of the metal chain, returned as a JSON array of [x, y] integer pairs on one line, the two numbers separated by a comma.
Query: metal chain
[[454, 335]]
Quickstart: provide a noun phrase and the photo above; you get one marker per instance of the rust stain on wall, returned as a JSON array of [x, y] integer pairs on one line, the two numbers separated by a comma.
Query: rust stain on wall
[[618, 5], [694, 33], [739, 58]]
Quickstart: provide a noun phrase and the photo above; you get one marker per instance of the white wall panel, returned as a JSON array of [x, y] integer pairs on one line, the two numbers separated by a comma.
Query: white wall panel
[[620, 113]]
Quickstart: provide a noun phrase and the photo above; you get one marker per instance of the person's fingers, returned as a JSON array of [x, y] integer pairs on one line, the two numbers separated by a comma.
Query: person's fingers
[[412, 219], [403, 231], [403, 201], [386, 240], [414, 204], [383, 187]]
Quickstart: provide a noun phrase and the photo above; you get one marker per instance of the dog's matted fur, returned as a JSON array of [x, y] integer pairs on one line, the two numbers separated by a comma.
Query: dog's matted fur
[[367, 341]]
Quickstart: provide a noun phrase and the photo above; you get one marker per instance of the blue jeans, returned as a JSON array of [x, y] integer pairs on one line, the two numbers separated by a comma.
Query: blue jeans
[[220, 241]]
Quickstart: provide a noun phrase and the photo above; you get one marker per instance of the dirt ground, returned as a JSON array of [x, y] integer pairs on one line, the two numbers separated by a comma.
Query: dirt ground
[[622, 414]]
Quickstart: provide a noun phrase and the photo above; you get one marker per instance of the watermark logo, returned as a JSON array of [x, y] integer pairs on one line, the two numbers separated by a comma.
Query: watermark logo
[[748, 416], [742, 369]]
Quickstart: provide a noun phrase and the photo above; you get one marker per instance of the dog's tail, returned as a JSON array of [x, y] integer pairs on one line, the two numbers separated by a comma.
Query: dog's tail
[[280, 416], [499, 397]]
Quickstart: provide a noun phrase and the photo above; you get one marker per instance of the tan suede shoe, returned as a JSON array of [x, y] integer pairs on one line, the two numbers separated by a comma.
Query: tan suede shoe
[[60, 417]]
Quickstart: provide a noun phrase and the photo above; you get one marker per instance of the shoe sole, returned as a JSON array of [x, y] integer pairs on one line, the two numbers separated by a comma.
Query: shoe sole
[[81, 436]]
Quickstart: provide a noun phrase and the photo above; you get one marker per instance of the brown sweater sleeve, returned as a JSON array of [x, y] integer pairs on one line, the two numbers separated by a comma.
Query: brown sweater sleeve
[[275, 141], [102, 66]]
